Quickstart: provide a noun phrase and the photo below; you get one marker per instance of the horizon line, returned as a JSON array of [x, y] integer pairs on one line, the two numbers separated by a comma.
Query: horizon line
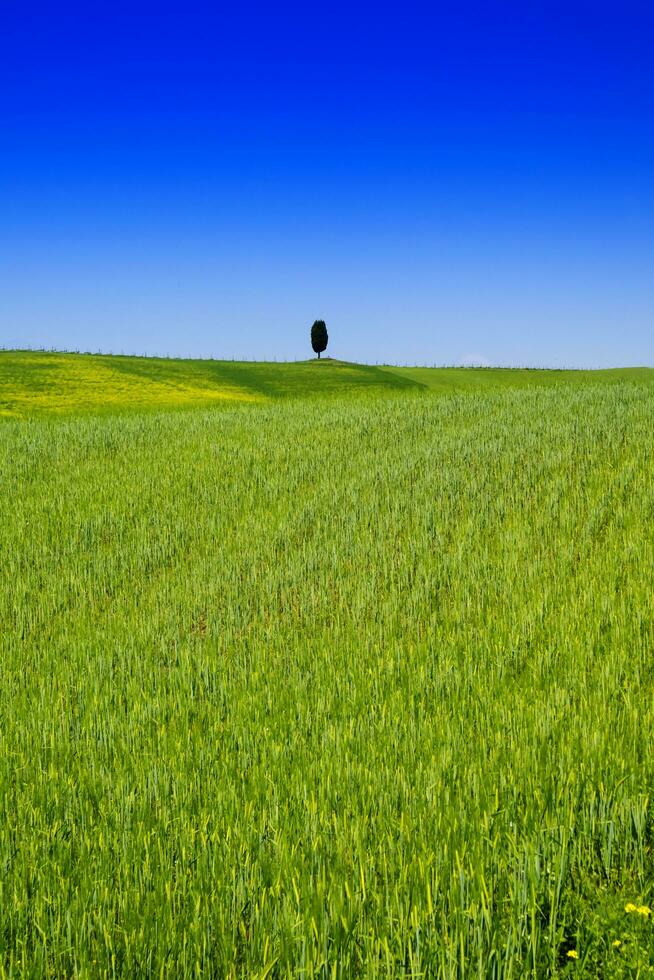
[[28, 349]]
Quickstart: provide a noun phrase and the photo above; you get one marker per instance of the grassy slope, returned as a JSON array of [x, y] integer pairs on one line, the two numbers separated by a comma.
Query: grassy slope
[[38, 383], [446, 380], [41, 383]]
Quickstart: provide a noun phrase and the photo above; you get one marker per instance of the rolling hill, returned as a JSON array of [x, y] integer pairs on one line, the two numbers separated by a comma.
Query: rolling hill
[[37, 383]]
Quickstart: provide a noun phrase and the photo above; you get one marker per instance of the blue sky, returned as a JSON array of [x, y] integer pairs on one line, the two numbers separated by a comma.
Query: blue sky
[[445, 183]]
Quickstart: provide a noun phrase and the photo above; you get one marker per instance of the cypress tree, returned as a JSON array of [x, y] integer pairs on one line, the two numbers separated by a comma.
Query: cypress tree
[[319, 337]]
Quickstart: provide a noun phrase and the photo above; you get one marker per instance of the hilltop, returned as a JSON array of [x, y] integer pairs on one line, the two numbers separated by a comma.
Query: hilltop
[[35, 383], [38, 383]]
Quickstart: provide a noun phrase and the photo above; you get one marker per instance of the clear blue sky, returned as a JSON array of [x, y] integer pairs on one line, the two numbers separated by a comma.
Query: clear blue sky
[[442, 183]]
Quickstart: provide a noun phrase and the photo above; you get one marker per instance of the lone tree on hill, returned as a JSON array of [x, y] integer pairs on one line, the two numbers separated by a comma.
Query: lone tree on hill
[[319, 337]]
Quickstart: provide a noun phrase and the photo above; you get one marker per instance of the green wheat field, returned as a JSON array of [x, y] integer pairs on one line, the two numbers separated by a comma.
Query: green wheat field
[[325, 670]]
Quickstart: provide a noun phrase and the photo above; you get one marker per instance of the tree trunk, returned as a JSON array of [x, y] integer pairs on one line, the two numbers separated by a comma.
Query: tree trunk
[[318, 355]]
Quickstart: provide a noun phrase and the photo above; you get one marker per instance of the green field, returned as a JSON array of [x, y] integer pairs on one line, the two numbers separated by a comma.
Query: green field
[[340, 671], [37, 383]]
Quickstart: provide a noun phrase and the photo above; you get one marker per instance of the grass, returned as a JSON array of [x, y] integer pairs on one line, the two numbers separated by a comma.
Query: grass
[[39, 383], [353, 686], [449, 380]]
